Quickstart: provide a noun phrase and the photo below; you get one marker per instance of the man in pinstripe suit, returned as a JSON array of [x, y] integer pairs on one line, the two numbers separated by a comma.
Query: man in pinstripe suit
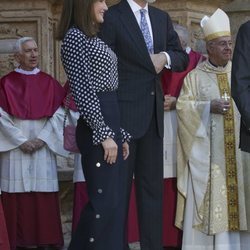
[[241, 95], [141, 102], [241, 83]]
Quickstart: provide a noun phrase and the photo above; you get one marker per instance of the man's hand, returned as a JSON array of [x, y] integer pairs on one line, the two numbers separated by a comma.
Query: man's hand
[[27, 147], [159, 61], [31, 146], [38, 143], [110, 150], [219, 106], [169, 102]]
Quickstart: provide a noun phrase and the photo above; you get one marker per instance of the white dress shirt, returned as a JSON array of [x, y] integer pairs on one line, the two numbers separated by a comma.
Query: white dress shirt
[[136, 10]]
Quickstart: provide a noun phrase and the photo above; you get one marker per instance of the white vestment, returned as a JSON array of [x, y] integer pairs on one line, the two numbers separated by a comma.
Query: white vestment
[[169, 143], [78, 175], [36, 172], [203, 203]]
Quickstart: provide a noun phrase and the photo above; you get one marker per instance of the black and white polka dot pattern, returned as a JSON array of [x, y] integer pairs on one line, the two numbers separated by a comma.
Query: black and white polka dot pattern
[[91, 67]]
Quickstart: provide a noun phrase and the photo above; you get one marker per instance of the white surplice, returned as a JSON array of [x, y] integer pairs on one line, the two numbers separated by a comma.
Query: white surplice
[[169, 142], [36, 172]]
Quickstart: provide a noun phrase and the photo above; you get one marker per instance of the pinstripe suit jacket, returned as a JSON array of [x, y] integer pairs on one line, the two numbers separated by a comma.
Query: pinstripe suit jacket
[[241, 82], [139, 85]]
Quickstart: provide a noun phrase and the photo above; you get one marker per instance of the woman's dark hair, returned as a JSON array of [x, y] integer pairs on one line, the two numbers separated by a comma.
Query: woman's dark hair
[[78, 13]]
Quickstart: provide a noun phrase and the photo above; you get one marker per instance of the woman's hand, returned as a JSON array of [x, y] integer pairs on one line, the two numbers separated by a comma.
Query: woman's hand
[[125, 150], [110, 150]]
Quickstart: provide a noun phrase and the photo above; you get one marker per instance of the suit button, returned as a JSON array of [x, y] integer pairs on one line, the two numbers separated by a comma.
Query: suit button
[[152, 93], [99, 190], [98, 216], [98, 164], [91, 239]]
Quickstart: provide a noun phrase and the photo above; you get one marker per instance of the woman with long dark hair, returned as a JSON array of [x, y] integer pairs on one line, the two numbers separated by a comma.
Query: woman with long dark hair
[[91, 68]]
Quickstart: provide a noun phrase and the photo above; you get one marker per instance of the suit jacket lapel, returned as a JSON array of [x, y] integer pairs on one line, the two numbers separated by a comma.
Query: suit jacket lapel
[[133, 30], [155, 29]]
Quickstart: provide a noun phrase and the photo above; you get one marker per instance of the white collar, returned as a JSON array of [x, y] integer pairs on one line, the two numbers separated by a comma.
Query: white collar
[[136, 7], [26, 72], [188, 50]]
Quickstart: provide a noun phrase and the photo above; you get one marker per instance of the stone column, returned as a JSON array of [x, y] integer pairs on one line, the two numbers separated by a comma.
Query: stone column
[[38, 19], [238, 12], [6, 55]]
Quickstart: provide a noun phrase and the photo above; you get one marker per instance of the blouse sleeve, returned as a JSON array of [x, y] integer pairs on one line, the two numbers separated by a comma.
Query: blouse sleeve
[[75, 59], [126, 137]]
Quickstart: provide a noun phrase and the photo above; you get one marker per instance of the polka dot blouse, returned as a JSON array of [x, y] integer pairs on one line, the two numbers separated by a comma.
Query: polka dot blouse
[[91, 67]]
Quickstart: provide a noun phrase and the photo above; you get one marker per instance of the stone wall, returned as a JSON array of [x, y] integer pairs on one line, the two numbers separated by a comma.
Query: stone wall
[[39, 19], [239, 12]]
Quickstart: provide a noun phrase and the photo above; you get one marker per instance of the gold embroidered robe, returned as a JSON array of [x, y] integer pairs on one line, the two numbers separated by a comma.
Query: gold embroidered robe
[[207, 152]]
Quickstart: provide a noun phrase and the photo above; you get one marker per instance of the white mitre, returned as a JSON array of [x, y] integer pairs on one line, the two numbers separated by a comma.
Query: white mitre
[[217, 25]]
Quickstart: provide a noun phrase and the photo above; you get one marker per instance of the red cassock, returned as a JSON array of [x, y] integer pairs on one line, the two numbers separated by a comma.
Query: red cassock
[[4, 241], [172, 81], [30, 97], [32, 218]]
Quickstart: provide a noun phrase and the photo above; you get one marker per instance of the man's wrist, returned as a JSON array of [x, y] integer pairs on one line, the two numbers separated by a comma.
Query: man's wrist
[[168, 62]]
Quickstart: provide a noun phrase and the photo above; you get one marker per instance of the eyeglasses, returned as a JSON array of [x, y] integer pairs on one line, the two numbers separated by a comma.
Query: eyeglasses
[[224, 44]]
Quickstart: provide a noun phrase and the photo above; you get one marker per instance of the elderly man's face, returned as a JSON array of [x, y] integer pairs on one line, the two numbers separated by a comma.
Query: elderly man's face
[[220, 50], [28, 56]]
